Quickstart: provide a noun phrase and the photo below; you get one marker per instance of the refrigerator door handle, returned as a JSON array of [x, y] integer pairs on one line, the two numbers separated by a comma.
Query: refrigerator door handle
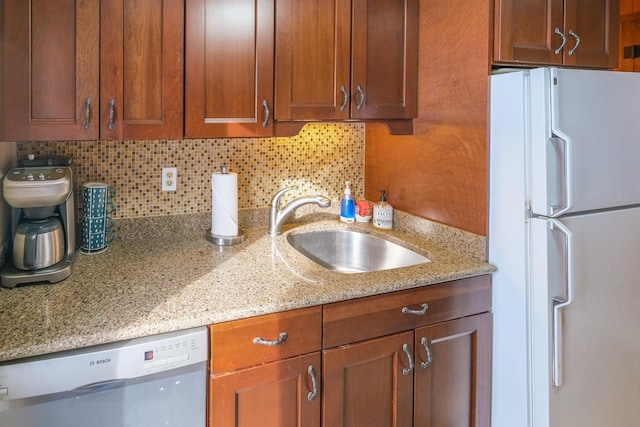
[[559, 302], [556, 211]]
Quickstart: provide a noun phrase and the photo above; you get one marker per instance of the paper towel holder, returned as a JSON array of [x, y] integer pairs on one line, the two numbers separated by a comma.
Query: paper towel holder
[[225, 240]]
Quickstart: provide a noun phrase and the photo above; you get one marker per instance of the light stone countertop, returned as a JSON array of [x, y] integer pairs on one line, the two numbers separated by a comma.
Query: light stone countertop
[[152, 285]]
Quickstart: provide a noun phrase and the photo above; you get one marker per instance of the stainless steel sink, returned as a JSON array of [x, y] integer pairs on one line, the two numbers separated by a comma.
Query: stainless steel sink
[[353, 252]]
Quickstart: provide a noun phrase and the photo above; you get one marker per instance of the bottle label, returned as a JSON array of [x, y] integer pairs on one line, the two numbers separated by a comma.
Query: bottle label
[[347, 220], [383, 218]]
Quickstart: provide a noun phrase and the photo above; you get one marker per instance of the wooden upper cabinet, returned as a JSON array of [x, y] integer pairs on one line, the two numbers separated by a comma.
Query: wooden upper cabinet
[[597, 27], [313, 62], [229, 68], [346, 59], [142, 69], [66, 60], [384, 59], [581, 33], [51, 69], [629, 6]]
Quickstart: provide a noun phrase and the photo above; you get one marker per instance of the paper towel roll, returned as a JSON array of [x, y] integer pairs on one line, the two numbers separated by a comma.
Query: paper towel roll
[[224, 200]]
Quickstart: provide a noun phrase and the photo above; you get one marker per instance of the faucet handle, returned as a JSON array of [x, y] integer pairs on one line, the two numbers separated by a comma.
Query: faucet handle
[[275, 200]]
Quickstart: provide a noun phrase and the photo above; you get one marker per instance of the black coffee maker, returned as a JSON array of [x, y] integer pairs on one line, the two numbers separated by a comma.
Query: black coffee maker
[[40, 193]]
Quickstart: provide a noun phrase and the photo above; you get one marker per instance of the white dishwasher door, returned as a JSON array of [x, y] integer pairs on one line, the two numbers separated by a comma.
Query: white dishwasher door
[[148, 382]]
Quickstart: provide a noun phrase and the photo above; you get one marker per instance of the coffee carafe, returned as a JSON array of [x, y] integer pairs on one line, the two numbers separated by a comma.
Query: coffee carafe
[[42, 224]]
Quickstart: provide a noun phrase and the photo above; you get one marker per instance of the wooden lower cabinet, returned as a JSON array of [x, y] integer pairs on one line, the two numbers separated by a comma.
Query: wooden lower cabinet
[[420, 357], [278, 394], [435, 376], [265, 370], [369, 383], [453, 373]]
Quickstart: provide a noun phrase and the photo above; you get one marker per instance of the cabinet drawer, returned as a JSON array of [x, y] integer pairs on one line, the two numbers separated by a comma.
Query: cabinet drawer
[[256, 340], [376, 316]]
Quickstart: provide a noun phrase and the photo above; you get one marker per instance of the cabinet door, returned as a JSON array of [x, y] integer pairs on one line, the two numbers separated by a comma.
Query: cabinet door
[[313, 48], [229, 68], [592, 29], [51, 69], [369, 383], [141, 54], [453, 373], [629, 36], [384, 59], [279, 394], [525, 31]]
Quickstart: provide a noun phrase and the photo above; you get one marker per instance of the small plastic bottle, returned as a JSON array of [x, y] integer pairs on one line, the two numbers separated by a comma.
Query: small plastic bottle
[[347, 205], [383, 213]]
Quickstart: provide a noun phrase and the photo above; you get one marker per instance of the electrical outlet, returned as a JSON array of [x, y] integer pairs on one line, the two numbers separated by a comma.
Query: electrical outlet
[[169, 179]]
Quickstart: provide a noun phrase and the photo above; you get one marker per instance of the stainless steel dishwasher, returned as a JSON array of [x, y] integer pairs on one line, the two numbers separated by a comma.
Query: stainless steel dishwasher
[[154, 381]]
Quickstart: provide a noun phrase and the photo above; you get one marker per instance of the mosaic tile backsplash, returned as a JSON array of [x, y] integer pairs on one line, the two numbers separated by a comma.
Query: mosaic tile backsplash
[[319, 160]]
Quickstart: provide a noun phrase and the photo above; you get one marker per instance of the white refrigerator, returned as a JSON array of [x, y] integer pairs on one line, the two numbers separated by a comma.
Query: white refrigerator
[[564, 234]]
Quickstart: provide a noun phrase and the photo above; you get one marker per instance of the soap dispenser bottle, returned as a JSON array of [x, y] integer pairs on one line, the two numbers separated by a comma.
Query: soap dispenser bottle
[[383, 213], [347, 205]]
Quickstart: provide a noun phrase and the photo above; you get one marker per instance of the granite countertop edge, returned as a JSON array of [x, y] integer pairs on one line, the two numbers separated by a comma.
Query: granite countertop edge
[[153, 284]]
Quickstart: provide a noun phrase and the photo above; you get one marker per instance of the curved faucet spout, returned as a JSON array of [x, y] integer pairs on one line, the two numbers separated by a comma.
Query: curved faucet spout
[[278, 216]]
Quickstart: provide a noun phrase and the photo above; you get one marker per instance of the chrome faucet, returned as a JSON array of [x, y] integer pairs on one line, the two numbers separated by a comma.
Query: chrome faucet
[[278, 216]]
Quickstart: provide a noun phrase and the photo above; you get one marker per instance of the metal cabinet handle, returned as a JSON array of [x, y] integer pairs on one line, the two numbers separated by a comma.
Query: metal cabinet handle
[[314, 385], [425, 344], [407, 371], [271, 343], [564, 40], [345, 98], [112, 104], [87, 113], [361, 102], [571, 33], [267, 113], [421, 312]]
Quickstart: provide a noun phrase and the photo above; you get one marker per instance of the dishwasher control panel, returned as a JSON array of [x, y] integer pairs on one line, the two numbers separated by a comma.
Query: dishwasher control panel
[[170, 353]]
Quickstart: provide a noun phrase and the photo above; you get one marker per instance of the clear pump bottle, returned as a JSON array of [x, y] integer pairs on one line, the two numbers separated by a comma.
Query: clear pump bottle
[[383, 213]]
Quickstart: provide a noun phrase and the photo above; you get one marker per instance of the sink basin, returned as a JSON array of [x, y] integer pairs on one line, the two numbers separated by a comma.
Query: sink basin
[[353, 252]]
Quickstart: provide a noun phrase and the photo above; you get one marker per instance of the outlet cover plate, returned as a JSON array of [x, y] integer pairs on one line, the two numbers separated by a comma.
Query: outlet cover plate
[[169, 179]]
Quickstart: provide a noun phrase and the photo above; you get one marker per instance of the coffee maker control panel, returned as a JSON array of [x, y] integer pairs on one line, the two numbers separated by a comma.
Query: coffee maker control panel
[[27, 187], [39, 174]]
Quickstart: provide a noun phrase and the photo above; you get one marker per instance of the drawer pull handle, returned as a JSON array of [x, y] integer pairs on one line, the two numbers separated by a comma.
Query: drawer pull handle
[[571, 33], [407, 371], [421, 312], [345, 98], [361, 102], [281, 339], [87, 113], [267, 113], [564, 40], [111, 113], [425, 344], [314, 385]]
